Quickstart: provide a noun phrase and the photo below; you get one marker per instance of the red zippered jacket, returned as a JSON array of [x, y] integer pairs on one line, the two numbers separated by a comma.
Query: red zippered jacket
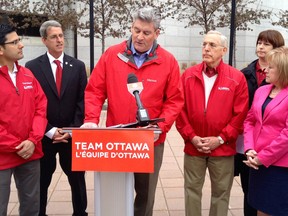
[[225, 112], [22, 115], [162, 93]]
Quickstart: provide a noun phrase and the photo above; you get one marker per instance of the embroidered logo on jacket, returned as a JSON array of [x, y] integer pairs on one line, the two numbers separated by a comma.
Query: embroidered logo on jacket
[[27, 85], [151, 80], [223, 88]]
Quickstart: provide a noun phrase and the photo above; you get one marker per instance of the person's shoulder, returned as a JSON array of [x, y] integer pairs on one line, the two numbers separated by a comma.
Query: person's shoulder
[[250, 67], [117, 47], [25, 70], [120, 45], [262, 89], [230, 70], [162, 51], [197, 68], [232, 73], [35, 60], [72, 60], [114, 50]]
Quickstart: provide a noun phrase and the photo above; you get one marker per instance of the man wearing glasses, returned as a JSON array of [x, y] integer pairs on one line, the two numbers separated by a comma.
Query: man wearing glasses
[[216, 104], [22, 126]]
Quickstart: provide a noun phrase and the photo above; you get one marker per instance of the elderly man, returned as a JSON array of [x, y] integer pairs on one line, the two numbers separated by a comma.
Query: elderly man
[[216, 99]]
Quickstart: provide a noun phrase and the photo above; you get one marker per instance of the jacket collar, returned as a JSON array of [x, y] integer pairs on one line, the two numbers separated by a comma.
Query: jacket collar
[[4, 68], [152, 54], [283, 94]]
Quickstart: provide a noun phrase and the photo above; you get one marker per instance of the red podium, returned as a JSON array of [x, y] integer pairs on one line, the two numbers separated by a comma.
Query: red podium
[[114, 154]]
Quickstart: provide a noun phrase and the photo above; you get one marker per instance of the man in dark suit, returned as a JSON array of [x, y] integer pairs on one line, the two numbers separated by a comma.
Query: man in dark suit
[[65, 109]]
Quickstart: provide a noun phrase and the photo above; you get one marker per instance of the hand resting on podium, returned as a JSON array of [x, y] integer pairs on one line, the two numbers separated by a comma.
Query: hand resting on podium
[[89, 125]]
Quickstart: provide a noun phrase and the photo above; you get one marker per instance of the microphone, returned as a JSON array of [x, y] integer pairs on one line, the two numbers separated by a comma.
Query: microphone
[[135, 88]]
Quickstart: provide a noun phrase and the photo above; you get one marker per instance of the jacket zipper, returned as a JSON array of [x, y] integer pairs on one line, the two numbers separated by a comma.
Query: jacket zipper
[[17, 90]]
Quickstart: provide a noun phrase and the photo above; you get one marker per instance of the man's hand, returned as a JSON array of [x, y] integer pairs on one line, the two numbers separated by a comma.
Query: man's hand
[[201, 144], [60, 136], [89, 125], [205, 144], [26, 149], [212, 142], [156, 135]]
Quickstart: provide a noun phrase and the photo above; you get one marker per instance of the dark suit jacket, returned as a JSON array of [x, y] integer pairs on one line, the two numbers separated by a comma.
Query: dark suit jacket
[[68, 109]]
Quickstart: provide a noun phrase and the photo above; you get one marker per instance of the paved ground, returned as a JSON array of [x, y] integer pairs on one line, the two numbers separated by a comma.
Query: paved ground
[[169, 195]]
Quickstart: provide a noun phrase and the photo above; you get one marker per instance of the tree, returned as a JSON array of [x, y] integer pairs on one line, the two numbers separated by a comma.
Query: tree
[[108, 20], [112, 18], [282, 19], [246, 15], [64, 11], [9, 11], [204, 13], [25, 14], [212, 14]]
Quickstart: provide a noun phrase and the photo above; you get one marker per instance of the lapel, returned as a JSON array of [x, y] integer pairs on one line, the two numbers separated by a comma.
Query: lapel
[[47, 71], [67, 72], [283, 94]]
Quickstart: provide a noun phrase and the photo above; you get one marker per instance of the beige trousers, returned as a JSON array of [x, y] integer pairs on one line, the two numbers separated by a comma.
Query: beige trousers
[[221, 172]]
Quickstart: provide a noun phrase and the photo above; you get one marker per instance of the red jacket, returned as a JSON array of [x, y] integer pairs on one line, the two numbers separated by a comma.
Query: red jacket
[[22, 116], [162, 95], [225, 112]]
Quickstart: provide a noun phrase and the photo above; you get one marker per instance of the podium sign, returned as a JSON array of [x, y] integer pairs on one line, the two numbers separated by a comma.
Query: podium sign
[[113, 150]]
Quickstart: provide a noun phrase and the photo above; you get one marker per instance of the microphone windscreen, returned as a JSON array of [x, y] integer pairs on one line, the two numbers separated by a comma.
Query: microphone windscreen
[[132, 78]]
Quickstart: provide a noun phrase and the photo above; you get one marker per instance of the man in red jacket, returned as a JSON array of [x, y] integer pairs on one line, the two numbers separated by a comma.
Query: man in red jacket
[[216, 103], [22, 126], [162, 94]]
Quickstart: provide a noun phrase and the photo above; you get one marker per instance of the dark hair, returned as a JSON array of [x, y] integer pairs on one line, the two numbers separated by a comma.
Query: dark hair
[[4, 30], [273, 37]]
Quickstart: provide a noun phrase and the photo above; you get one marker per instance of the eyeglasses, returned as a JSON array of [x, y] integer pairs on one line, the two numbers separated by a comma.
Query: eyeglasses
[[15, 42], [212, 45]]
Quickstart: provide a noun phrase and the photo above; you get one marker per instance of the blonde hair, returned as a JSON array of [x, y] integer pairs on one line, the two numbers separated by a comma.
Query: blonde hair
[[279, 57]]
